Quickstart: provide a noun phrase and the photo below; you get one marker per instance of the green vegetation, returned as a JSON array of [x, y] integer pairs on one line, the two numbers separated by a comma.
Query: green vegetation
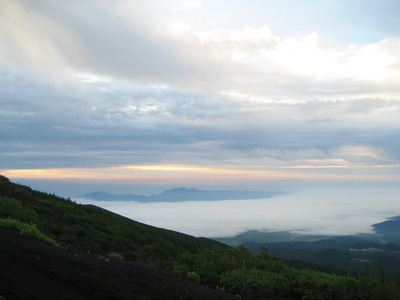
[[116, 255], [238, 271], [92, 228], [339, 254], [194, 276], [29, 230]]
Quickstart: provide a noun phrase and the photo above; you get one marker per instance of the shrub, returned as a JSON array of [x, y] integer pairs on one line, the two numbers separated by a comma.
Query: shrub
[[11, 208], [29, 230], [194, 276], [254, 282], [116, 255]]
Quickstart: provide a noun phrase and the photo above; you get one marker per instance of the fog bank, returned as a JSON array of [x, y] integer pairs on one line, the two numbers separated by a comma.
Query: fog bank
[[334, 211]]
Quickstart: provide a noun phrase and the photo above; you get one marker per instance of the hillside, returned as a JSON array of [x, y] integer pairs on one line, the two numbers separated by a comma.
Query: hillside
[[88, 264], [390, 229], [84, 252], [32, 269], [94, 229]]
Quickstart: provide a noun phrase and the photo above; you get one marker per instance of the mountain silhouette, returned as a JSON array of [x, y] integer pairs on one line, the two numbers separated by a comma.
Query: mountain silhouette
[[183, 194]]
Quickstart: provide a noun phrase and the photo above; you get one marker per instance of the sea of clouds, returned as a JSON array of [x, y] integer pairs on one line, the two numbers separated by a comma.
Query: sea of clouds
[[333, 211]]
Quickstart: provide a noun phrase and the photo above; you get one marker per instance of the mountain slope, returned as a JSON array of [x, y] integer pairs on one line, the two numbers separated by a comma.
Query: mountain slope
[[390, 229], [94, 229], [31, 269], [87, 264], [91, 253]]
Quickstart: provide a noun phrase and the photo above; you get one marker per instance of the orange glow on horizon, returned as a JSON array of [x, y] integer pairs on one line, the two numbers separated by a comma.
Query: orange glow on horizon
[[185, 173]]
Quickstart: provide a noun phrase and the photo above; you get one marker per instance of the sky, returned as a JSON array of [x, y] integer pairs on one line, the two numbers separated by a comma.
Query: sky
[[141, 95]]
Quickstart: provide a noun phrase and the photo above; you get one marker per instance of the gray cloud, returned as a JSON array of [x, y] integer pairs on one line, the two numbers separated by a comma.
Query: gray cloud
[[103, 124], [119, 90], [57, 39], [61, 40]]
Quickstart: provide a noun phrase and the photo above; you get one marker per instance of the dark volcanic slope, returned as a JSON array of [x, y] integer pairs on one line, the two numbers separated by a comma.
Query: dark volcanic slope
[[31, 269]]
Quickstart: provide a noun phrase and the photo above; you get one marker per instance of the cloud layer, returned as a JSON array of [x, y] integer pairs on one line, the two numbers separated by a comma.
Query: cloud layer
[[341, 210], [124, 42], [102, 85], [120, 125]]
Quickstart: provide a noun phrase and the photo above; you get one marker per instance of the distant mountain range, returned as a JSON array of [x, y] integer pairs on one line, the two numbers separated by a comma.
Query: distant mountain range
[[390, 229], [344, 253], [183, 194]]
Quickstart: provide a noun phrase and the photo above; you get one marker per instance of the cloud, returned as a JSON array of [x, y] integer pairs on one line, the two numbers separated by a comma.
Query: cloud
[[108, 123], [59, 40], [122, 43], [192, 3], [121, 87], [303, 66], [324, 210]]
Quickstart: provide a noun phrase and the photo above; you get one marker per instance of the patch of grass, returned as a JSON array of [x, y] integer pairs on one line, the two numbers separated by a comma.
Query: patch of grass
[[116, 255], [194, 276], [29, 230]]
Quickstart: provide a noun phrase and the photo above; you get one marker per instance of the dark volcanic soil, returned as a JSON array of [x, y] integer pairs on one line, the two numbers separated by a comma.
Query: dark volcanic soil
[[31, 269]]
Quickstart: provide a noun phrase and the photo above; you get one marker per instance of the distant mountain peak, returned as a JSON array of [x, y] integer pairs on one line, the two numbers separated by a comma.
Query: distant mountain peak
[[183, 194], [182, 190]]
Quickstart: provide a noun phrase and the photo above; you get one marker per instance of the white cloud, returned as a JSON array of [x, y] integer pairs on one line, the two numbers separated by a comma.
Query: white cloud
[[339, 210], [122, 43], [256, 54], [192, 3], [60, 41], [123, 84]]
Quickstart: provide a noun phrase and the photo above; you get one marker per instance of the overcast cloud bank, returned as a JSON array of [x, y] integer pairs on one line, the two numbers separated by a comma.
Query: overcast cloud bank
[[137, 82], [122, 125]]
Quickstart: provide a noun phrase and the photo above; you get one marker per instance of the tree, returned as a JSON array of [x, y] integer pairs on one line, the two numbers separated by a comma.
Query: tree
[[263, 255], [245, 254]]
